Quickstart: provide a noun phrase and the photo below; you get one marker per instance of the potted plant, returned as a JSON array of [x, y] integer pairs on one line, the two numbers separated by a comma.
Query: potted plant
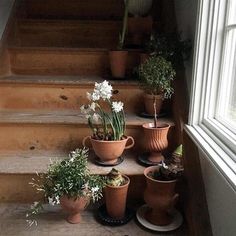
[[68, 182], [160, 193], [139, 24], [155, 76], [119, 57], [116, 194], [108, 127]]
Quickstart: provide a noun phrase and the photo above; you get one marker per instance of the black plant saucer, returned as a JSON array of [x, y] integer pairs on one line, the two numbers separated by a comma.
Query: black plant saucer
[[105, 219], [143, 160], [101, 163]]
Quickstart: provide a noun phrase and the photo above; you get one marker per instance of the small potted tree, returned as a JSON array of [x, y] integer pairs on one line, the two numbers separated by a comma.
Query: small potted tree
[[106, 119], [155, 76], [160, 193], [69, 183], [119, 57]]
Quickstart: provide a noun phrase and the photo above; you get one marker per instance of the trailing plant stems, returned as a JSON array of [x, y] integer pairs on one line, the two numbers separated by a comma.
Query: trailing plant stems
[[124, 29]]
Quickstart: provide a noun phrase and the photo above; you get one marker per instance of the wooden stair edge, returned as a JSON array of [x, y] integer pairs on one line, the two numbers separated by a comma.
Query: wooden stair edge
[[64, 117], [29, 163]]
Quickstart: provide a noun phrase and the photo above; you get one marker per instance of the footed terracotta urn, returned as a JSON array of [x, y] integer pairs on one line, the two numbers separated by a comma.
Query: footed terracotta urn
[[160, 197], [155, 141], [109, 151], [74, 207]]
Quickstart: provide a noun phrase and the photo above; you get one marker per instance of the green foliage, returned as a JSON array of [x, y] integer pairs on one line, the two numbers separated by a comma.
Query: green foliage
[[69, 177], [156, 75], [169, 46]]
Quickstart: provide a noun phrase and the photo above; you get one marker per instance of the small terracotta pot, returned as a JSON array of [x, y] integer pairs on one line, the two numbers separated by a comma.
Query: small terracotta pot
[[118, 63], [109, 151], [148, 102], [155, 141], [160, 196], [115, 198], [74, 208], [139, 27]]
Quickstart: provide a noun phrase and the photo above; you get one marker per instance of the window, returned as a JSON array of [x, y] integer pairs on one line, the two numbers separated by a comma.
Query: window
[[212, 122]]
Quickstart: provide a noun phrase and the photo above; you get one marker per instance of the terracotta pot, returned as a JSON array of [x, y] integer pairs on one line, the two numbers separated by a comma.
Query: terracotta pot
[[160, 196], [118, 63], [139, 28], [115, 198], [74, 208], [109, 151], [144, 57], [155, 141], [148, 102]]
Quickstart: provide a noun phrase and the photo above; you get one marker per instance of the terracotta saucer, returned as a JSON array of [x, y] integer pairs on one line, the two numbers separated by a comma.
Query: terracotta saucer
[[101, 163], [176, 222], [105, 219], [143, 160]]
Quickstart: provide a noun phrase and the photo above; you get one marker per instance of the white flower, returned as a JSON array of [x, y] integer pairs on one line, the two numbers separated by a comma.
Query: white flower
[[89, 96], [94, 189], [96, 118], [51, 201], [117, 106], [57, 199], [103, 90], [93, 106], [85, 109]]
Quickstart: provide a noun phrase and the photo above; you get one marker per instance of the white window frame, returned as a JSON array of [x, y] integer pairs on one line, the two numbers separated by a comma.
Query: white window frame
[[210, 134]]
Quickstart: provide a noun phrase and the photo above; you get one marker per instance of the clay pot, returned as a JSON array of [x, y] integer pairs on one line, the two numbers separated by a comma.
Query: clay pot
[[160, 196], [109, 151], [74, 208], [115, 198], [155, 141], [118, 63], [139, 28], [148, 102]]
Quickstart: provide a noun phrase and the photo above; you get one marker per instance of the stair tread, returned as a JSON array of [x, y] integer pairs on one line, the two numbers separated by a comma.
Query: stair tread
[[52, 222], [31, 162], [64, 117], [65, 80]]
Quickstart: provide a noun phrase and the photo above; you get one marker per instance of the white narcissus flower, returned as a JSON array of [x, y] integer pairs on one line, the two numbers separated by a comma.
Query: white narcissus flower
[[94, 189], [104, 90], [96, 118], [93, 106], [85, 109], [50, 201], [117, 106]]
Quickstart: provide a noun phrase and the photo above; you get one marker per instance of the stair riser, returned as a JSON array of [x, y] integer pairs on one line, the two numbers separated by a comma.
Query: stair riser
[[98, 34], [53, 97], [11, 186], [65, 62], [52, 137], [82, 9]]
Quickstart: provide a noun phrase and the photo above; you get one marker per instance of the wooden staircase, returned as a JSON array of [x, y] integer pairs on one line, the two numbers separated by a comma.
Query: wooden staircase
[[57, 50]]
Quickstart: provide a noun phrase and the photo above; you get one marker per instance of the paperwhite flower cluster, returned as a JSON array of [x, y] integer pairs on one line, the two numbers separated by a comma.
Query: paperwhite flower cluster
[[117, 106], [101, 91]]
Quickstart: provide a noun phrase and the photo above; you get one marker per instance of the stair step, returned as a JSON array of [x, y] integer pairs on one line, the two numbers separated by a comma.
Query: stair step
[[68, 33], [62, 92], [63, 131], [18, 169], [65, 61], [52, 222]]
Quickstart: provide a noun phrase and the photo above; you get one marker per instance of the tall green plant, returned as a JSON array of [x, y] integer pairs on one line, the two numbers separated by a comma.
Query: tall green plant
[[124, 28]]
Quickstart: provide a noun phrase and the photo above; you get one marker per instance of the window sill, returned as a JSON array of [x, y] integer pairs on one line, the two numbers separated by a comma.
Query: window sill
[[219, 158]]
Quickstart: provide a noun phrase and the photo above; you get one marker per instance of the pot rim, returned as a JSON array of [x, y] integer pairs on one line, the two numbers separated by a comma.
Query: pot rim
[[112, 141], [150, 168], [122, 186], [165, 126]]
